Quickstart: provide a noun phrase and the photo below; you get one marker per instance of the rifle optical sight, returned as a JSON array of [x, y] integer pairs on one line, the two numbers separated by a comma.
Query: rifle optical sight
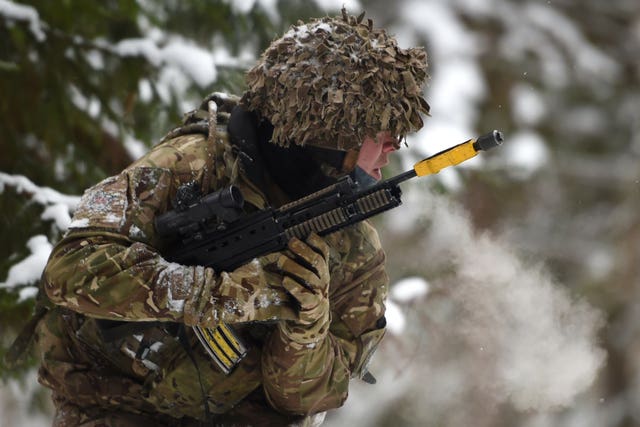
[[224, 204]]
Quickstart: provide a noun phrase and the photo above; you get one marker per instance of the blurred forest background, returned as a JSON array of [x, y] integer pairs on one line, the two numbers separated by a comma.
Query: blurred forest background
[[516, 297]]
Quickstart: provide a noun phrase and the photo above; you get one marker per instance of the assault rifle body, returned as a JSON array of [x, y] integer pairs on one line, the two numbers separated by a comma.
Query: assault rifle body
[[212, 231]]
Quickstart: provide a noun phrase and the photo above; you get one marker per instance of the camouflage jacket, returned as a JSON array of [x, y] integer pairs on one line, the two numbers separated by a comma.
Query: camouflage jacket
[[108, 266]]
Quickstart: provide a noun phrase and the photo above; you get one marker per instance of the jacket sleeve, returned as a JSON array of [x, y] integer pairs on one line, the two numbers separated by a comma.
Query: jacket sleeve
[[302, 379], [108, 265]]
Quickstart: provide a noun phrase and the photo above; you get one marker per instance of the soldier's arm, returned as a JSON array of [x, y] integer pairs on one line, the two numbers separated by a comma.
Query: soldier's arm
[[106, 275], [108, 265], [305, 379]]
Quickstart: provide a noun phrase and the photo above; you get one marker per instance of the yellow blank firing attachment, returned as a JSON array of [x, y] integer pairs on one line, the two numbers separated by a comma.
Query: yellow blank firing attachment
[[458, 153]]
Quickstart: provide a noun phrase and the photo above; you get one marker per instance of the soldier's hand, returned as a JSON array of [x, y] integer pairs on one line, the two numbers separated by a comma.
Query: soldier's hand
[[305, 271], [290, 286], [252, 292]]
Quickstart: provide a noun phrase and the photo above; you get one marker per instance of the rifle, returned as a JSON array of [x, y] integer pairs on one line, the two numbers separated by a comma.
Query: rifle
[[212, 231]]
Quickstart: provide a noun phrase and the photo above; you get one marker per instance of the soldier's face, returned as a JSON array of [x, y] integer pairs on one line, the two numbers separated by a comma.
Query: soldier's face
[[374, 153]]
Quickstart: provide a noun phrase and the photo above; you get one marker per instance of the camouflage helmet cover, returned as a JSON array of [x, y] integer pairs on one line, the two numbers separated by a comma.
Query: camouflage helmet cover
[[334, 81]]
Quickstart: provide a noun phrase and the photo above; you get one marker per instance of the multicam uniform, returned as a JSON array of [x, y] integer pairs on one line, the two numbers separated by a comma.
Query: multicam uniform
[[109, 266], [329, 83]]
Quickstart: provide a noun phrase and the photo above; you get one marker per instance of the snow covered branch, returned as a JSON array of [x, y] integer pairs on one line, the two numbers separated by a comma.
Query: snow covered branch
[[57, 208]]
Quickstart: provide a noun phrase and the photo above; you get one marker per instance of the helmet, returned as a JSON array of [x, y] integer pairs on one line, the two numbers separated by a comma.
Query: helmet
[[334, 81]]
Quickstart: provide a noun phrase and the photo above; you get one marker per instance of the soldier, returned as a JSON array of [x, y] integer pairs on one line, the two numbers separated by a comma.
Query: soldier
[[331, 97]]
